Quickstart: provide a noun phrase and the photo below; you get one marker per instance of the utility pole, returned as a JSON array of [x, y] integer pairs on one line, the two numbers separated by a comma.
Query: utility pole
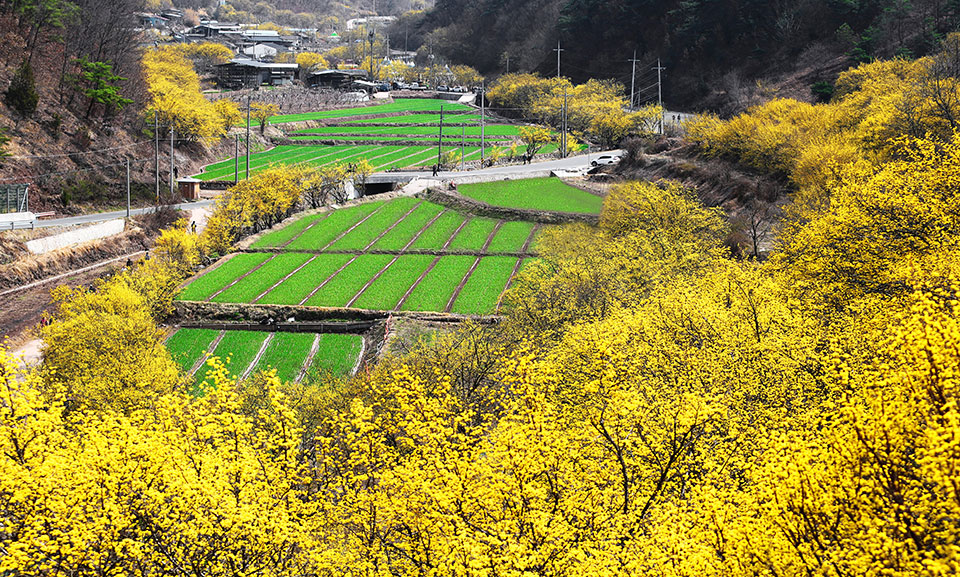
[[463, 143], [128, 187], [508, 63], [633, 79], [236, 159], [660, 69], [371, 35], [483, 91], [248, 138], [173, 167], [156, 153], [440, 139], [558, 50]]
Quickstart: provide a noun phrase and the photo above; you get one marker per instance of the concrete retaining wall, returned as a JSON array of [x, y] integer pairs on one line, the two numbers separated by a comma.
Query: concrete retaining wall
[[65, 239]]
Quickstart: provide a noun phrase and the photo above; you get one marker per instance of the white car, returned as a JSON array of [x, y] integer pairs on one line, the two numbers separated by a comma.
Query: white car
[[605, 159]]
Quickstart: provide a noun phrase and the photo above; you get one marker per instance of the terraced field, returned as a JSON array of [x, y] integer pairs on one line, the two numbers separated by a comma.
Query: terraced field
[[401, 134], [534, 194], [405, 254], [293, 355]]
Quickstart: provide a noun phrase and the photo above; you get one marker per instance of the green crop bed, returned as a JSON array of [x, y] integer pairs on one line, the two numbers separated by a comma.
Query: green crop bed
[[297, 287], [534, 194], [336, 354], [451, 120], [474, 235], [333, 226], [283, 235], [399, 157], [240, 347], [286, 155], [360, 237], [286, 352], [492, 130], [386, 291], [511, 237], [401, 105], [488, 281], [186, 346], [439, 232], [435, 290], [348, 283], [208, 284], [258, 282], [401, 234]]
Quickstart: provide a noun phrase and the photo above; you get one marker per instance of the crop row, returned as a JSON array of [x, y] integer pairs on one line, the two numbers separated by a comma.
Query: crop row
[[405, 105], [489, 130], [354, 138], [455, 119], [535, 194], [286, 353], [354, 228]]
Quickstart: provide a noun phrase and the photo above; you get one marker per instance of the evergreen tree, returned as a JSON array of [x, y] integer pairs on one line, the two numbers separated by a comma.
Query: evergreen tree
[[22, 94]]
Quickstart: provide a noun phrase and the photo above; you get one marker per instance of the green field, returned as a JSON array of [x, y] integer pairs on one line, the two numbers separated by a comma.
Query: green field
[[367, 232], [347, 284], [448, 120], [435, 237], [187, 345], [238, 349], [474, 235], [483, 289], [401, 105], [492, 130], [403, 233], [208, 284], [435, 290], [511, 237], [261, 280], [385, 292], [534, 194], [286, 352], [332, 227], [337, 354], [301, 284]]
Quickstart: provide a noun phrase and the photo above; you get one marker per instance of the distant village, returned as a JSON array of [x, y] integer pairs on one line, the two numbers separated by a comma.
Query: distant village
[[259, 53]]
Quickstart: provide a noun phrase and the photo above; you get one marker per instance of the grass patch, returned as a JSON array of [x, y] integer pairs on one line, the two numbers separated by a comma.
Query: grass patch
[[474, 235], [451, 131], [297, 287], [283, 235], [435, 290], [238, 348], [268, 275], [482, 291], [203, 287], [386, 291], [348, 283], [534, 194], [401, 234], [364, 234], [336, 355], [439, 232], [333, 226], [186, 346], [286, 353]]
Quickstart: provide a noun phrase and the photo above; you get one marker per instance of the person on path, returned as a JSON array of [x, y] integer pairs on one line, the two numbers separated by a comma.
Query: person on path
[[434, 169]]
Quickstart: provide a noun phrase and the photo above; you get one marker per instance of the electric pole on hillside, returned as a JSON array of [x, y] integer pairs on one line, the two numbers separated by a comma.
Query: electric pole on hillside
[[660, 69], [558, 50], [248, 139], [633, 79], [236, 158], [371, 35], [128, 187]]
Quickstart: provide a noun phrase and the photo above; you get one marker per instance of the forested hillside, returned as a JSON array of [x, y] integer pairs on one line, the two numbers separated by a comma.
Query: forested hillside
[[712, 49]]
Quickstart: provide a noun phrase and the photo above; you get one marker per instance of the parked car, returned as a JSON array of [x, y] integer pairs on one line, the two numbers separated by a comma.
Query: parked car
[[443, 88], [605, 159]]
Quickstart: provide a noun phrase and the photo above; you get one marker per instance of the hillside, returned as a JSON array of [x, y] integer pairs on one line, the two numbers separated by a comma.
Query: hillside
[[776, 42]]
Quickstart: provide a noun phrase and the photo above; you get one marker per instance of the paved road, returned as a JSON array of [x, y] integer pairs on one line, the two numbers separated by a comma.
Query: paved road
[[99, 216], [571, 163]]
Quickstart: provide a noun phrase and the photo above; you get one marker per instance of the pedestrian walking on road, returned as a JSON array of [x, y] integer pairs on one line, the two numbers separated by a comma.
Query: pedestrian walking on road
[[434, 169]]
